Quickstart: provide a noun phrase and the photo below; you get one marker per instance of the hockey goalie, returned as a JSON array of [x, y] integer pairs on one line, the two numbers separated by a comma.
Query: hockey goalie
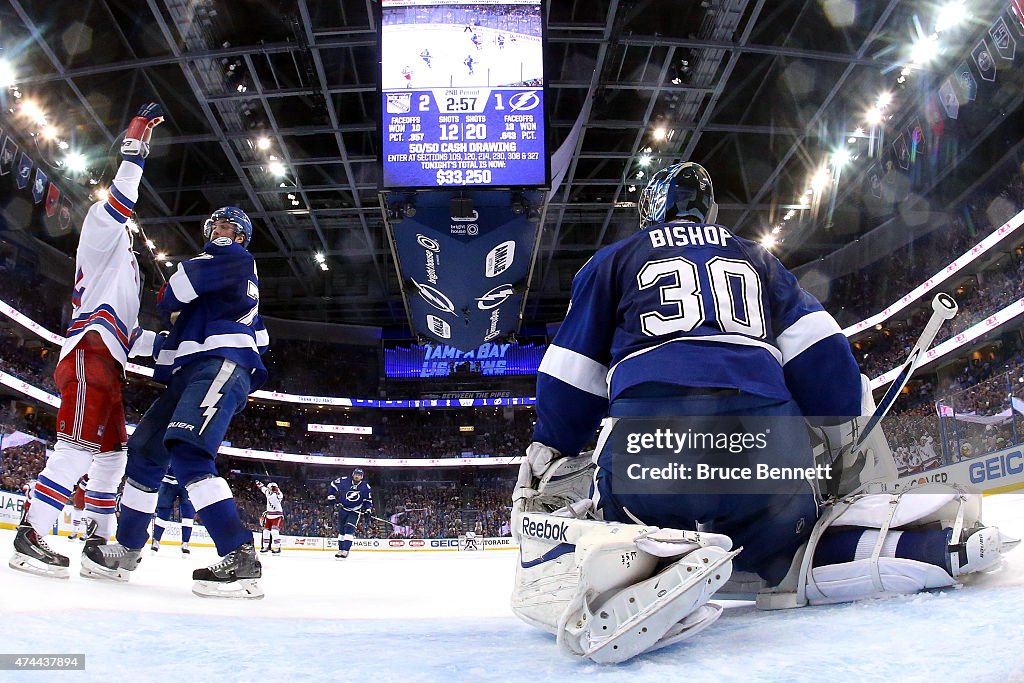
[[685, 323]]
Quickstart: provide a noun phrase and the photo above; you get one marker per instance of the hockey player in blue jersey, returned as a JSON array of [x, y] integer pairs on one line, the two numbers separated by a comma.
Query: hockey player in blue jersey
[[689, 322], [210, 362], [425, 56], [171, 490], [353, 497]]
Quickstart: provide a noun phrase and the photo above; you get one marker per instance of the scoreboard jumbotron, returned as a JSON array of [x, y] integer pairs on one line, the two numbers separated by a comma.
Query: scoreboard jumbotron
[[462, 88]]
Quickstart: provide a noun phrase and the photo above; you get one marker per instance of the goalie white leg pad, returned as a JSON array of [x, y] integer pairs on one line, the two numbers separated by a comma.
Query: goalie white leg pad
[[597, 587], [876, 576], [640, 617]]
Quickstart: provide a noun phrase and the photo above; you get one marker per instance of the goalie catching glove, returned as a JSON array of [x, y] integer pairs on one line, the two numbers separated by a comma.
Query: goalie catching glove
[[549, 480], [136, 138], [611, 591]]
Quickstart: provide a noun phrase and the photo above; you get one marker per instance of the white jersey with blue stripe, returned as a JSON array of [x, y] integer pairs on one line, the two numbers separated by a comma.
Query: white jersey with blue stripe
[[695, 306], [105, 298], [218, 295]]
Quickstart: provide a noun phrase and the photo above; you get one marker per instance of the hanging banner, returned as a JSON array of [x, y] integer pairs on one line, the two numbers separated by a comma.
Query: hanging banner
[[7, 154], [24, 174], [52, 196], [1004, 43], [966, 83], [65, 213], [948, 98], [984, 61], [39, 185]]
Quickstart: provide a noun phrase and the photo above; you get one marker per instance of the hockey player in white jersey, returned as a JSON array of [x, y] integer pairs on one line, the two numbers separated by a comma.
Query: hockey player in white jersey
[[683, 324], [102, 334], [272, 519]]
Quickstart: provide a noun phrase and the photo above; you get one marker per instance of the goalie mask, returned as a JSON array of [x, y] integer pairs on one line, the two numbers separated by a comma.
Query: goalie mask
[[676, 192], [235, 216]]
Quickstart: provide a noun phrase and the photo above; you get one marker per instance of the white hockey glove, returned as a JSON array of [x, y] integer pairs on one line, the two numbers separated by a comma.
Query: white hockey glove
[[535, 462], [549, 481], [136, 138]]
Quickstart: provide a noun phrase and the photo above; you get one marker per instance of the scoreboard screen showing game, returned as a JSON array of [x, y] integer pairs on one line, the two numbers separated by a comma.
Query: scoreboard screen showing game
[[462, 88]]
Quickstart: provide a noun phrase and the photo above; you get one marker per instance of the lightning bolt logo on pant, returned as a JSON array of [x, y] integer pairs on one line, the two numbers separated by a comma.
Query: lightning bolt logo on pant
[[214, 393]]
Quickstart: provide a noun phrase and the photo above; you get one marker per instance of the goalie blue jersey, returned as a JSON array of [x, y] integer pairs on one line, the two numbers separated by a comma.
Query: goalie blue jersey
[[218, 295], [694, 306], [350, 495]]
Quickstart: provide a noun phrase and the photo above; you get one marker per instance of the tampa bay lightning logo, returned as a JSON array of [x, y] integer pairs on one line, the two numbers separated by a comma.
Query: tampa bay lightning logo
[[352, 496], [495, 297], [434, 297], [524, 101]]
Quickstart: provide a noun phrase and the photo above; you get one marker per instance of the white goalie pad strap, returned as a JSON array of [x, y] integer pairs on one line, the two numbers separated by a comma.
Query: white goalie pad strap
[[948, 505], [871, 577]]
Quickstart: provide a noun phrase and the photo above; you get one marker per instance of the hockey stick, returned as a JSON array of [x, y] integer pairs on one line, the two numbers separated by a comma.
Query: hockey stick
[[943, 308]]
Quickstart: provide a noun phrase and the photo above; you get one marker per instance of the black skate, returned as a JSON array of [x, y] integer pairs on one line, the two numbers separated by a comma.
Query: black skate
[[184, 549], [92, 536], [233, 577], [111, 561], [264, 549], [155, 545], [33, 556]]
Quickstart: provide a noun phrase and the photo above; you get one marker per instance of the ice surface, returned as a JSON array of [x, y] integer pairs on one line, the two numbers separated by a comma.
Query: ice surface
[[445, 615]]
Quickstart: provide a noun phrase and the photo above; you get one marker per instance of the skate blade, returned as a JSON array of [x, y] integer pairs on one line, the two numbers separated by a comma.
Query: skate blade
[[240, 589], [91, 570], [690, 626], [29, 565]]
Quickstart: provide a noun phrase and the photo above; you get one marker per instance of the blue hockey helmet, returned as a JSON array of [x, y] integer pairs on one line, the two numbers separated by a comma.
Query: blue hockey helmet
[[236, 217], [359, 471], [678, 191]]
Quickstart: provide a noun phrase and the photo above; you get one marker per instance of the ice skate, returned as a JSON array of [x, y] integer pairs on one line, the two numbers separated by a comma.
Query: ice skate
[[233, 577], [981, 548], [33, 556], [184, 549], [111, 561], [341, 555], [91, 536], [155, 546]]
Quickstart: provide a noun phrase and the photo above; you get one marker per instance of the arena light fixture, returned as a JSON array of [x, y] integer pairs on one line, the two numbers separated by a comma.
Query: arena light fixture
[[319, 257], [277, 168], [263, 143], [31, 110], [925, 49], [323, 267], [168, 264], [151, 244], [820, 180], [884, 99], [645, 160], [659, 133], [951, 15], [161, 256], [873, 116], [75, 162], [7, 75], [768, 241], [840, 157]]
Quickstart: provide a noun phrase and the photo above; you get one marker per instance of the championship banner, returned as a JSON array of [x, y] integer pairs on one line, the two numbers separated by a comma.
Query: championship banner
[[984, 61], [65, 213], [966, 84], [7, 154], [1005, 45], [24, 174], [39, 185], [52, 196]]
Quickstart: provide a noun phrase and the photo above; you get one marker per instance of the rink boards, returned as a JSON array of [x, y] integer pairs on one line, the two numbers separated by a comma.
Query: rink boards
[[11, 505]]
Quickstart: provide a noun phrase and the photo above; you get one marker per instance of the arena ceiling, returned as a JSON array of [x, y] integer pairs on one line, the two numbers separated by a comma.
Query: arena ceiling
[[757, 91]]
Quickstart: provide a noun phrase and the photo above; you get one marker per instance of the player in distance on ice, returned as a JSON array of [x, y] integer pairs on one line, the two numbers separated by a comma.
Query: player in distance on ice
[[103, 333], [172, 490], [686, 319], [216, 295], [272, 519], [353, 498]]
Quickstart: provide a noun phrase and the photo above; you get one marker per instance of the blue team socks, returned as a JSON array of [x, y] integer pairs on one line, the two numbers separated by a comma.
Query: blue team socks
[[838, 547]]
